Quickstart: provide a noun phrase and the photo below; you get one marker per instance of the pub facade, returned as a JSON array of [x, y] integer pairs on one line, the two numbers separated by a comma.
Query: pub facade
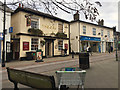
[[35, 30]]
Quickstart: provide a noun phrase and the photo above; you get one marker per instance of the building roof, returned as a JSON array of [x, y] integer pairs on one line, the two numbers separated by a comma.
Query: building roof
[[91, 24], [7, 8], [31, 11]]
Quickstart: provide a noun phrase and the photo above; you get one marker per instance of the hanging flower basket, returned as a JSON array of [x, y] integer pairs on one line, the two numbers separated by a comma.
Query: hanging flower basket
[[42, 43], [52, 34], [61, 35], [35, 31]]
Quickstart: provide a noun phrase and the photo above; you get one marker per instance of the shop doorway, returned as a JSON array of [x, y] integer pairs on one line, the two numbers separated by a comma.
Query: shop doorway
[[108, 45], [95, 47]]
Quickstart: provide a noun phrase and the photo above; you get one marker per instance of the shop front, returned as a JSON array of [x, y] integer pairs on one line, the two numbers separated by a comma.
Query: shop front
[[93, 42]]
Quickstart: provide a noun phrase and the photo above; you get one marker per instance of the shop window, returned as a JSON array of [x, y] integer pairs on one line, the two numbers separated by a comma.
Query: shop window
[[94, 31], [60, 45], [60, 27], [34, 43], [84, 29], [34, 22], [101, 32]]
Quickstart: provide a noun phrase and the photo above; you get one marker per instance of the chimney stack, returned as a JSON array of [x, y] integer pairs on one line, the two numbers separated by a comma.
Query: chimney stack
[[101, 22], [76, 16], [22, 5]]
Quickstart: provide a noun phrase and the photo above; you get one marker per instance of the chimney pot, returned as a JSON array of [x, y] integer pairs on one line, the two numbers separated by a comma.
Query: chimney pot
[[19, 4], [22, 5], [76, 16], [101, 22]]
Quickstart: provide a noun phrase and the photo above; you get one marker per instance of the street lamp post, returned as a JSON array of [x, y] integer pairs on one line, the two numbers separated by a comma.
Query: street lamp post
[[3, 52], [116, 48]]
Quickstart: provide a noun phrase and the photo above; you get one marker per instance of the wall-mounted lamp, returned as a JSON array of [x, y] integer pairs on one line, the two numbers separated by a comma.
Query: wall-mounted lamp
[[99, 33], [105, 35]]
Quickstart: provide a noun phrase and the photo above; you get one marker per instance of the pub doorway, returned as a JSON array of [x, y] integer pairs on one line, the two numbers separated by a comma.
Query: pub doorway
[[15, 49], [49, 48]]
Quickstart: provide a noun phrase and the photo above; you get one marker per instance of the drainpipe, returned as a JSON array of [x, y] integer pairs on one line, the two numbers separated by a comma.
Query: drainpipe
[[69, 40], [79, 35]]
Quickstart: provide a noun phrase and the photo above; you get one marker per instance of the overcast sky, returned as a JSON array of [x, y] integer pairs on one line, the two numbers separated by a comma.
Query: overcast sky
[[108, 12]]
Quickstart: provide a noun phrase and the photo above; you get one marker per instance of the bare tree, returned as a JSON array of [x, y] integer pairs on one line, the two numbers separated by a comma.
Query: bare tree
[[87, 7]]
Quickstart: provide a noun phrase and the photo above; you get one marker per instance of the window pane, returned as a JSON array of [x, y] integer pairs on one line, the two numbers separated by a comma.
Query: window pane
[[108, 33], [34, 24], [60, 27], [60, 45], [34, 44], [84, 29], [94, 31], [101, 32]]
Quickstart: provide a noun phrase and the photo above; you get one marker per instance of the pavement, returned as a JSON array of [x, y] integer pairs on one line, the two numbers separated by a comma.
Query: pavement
[[102, 74], [18, 63]]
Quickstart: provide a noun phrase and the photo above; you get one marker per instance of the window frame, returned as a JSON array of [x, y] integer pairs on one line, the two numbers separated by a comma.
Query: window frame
[[94, 31], [60, 23], [102, 33], [36, 25], [84, 29], [60, 47], [108, 34], [33, 47]]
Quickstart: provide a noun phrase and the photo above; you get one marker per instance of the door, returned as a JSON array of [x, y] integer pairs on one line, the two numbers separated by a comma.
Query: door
[[49, 48], [8, 52]]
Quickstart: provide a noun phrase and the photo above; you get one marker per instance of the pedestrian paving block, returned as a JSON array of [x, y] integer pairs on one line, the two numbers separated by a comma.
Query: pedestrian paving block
[[103, 72]]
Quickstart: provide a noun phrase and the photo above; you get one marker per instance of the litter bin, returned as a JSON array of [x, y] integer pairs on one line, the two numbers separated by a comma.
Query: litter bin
[[84, 60], [39, 55], [34, 55], [29, 55]]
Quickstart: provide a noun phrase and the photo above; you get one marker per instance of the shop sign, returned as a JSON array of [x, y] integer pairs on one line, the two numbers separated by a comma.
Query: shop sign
[[10, 29], [90, 38], [28, 21], [39, 55], [66, 46], [25, 46]]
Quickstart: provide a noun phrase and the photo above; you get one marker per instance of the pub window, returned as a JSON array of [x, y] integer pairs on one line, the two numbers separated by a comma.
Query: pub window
[[60, 45], [60, 27], [34, 22], [84, 29], [94, 31], [34, 43]]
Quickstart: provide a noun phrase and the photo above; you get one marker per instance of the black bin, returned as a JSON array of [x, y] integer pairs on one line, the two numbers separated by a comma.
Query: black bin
[[29, 55], [84, 60]]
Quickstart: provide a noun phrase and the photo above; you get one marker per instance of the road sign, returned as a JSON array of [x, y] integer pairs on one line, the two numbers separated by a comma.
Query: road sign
[[10, 29], [1, 36]]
